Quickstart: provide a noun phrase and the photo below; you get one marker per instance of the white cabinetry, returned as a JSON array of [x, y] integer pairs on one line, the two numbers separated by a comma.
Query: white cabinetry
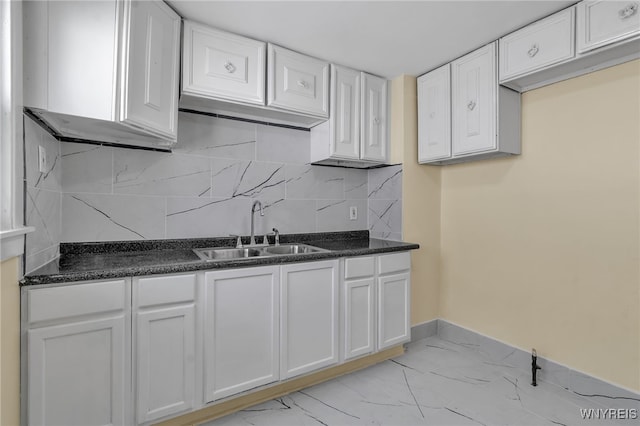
[[78, 363], [537, 46], [309, 317], [604, 33], [434, 115], [297, 83], [104, 71], [394, 286], [358, 307], [605, 22], [485, 117], [241, 330], [222, 65], [357, 131], [165, 345]]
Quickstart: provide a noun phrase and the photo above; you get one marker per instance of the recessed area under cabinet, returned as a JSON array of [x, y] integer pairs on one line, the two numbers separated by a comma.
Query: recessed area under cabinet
[[485, 117], [104, 71], [356, 134]]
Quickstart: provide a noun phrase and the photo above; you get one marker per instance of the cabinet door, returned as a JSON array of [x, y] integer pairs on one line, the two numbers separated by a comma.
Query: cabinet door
[[345, 112], [393, 310], [223, 65], [434, 115], [474, 90], [297, 82], [241, 330], [605, 22], [538, 46], [374, 118], [165, 361], [309, 326], [77, 373], [358, 317], [150, 57]]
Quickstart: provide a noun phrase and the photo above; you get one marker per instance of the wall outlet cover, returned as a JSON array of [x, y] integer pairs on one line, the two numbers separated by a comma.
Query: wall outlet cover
[[353, 213]]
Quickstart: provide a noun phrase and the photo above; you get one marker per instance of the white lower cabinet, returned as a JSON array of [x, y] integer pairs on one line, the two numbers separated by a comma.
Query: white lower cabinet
[[309, 317], [358, 307], [78, 362], [164, 345], [394, 290], [241, 330]]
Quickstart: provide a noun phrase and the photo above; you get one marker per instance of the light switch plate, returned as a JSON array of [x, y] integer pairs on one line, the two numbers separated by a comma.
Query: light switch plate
[[42, 159]]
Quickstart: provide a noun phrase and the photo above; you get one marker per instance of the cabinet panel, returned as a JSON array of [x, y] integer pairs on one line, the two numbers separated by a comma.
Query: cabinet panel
[[605, 22], [393, 310], [434, 115], [358, 317], [374, 118], [151, 61], [538, 45], [77, 374], [309, 318], [165, 289], [474, 91], [223, 65], [297, 82], [358, 267], [165, 361], [241, 330], [345, 112]]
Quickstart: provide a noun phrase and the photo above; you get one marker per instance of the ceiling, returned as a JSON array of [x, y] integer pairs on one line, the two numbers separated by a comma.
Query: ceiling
[[387, 38]]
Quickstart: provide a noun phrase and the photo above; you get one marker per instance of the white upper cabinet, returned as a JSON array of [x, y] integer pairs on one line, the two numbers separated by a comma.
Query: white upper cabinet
[[604, 22], [584, 38], [345, 112], [434, 115], [374, 118], [297, 83], [104, 70], [223, 65], [356, 134], [474, 91], [485, 117], [537, 46]]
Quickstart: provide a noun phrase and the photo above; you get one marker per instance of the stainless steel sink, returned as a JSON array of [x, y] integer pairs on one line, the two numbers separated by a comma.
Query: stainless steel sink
[[225, 253], [228, 253], [292, 249]]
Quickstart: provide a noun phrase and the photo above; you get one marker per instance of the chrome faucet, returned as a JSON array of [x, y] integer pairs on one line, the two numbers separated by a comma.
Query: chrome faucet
[[277, 237], [252, 241]]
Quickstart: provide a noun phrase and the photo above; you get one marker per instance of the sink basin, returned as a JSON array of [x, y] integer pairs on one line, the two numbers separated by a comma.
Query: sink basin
[[228, 253], [292, 249], [225, 253]]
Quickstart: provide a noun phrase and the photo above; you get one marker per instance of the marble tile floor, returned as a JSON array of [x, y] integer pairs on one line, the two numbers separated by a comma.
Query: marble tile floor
[[436, 382]]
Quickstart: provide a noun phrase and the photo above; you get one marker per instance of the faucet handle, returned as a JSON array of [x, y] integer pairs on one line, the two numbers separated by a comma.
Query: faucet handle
[[238, 241], [265, 241]]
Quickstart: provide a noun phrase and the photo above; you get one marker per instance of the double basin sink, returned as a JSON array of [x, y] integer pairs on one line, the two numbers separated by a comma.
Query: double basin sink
[[228, 253]]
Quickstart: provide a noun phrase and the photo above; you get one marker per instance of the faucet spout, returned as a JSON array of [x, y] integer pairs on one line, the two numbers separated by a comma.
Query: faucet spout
[[258, 204]]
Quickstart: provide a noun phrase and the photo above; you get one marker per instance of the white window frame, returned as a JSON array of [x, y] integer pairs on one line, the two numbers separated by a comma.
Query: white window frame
[[12, 229]]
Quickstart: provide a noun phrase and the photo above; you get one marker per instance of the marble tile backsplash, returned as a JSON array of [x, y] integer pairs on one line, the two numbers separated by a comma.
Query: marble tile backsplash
[[43, 196], [204, 188]]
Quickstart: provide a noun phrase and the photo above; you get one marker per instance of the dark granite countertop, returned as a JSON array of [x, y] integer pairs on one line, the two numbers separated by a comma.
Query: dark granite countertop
[[94, 261]]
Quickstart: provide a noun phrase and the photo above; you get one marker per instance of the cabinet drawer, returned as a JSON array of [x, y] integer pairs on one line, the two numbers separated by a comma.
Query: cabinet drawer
[[395, 262], [358, 267], [46, 304], [604, 22], [297, 82], [537, 46], [223, 65], [166, 289]]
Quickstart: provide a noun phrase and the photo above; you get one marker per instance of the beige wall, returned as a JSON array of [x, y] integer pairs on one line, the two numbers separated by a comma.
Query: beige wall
[[542, 250], [420, 201], [9, 343]]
